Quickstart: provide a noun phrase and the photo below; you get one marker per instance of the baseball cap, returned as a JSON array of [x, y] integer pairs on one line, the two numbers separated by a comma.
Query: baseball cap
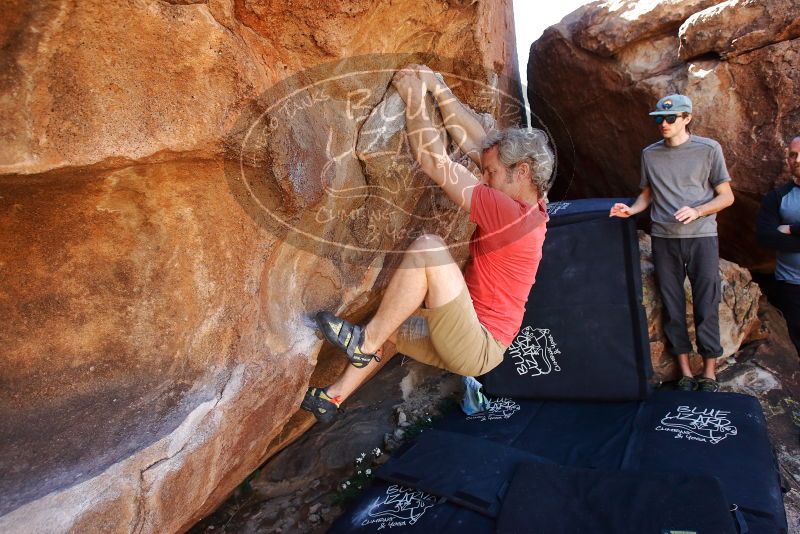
[[673, 105]]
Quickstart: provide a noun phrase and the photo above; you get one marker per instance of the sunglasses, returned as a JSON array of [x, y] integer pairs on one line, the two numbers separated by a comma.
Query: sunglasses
[[669, 118]]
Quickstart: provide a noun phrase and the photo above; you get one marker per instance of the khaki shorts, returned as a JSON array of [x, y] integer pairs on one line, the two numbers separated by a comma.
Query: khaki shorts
[[451, 337]]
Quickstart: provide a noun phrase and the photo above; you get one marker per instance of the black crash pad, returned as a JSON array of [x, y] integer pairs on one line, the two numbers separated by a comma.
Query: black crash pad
[[567, 432], [719, 434], [471, 472], [723, 435], [565, 500], [584, 333], [396, 509]]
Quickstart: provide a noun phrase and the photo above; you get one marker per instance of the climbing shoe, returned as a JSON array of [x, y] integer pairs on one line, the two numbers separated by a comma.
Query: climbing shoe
[[345, 336], [687, 383], [324, 408], [707, 384]]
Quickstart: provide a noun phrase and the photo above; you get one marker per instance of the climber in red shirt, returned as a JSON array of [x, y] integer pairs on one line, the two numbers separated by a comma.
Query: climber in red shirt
[[430, 311]]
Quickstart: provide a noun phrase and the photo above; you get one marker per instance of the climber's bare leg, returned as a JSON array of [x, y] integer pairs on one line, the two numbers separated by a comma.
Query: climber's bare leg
[[428, 274]]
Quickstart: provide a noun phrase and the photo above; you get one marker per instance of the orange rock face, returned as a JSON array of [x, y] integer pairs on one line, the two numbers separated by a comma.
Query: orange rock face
[[733, 28], [737, 60], [163, 238]]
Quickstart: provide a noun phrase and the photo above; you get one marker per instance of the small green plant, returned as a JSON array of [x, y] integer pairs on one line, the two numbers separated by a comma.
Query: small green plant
[[365, 464], [244, 488], [416, 428], [794, 410], [362, 476], [421, 424]]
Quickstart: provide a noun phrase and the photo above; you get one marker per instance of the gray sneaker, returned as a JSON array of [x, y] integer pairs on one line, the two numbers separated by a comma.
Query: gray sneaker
[[687, 383], [708, 385]]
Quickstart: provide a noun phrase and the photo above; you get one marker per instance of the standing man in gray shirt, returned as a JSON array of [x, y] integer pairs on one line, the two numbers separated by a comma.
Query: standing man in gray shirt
[[778, 227], [685, 178]]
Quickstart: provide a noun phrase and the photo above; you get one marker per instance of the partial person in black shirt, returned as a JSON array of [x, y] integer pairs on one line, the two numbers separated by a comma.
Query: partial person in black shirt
[[778, 228]]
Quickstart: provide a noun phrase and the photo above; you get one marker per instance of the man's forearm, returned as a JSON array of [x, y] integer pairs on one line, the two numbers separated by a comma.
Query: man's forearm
[[424, 139], [767, 222], [642, 201], [715, 205], [455, 180], [461, 125]]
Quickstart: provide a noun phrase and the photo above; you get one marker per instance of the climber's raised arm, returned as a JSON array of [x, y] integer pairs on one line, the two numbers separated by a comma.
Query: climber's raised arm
[[426, 143], [461, 123]]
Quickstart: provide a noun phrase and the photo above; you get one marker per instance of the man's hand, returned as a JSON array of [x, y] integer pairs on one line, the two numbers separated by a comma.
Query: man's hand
[[408, 85], [687, 214], [785, 229], [433, 81], [620, 210]]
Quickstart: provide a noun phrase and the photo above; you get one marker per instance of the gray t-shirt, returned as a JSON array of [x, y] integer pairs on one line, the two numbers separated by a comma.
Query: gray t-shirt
[[684, 175]]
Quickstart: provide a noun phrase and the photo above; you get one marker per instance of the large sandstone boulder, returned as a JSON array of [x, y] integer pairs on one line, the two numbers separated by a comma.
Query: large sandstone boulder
[[593, 78], [737, 26], [155, 280]]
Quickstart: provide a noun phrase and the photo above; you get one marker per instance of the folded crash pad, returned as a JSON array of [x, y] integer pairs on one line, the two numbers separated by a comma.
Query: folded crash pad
[[471, 472], [396, 508]]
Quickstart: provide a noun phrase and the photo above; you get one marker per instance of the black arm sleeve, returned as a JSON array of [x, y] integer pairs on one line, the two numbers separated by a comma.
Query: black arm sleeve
[[767, 224]]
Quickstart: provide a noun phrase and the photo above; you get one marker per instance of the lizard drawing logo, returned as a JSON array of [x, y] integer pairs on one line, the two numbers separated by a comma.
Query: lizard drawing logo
[[534, 352], [400, 506], [706, 425], [500, 408]]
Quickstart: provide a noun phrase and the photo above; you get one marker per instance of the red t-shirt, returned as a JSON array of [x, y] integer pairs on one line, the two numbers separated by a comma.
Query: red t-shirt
[[505, 251]]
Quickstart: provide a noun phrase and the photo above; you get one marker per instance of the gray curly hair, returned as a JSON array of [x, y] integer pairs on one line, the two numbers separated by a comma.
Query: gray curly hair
[[525, 145]]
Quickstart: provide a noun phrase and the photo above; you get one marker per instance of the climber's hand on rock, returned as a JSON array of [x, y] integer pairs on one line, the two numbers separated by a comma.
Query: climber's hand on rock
[[408, 85], [433, 81], [620, 210]]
